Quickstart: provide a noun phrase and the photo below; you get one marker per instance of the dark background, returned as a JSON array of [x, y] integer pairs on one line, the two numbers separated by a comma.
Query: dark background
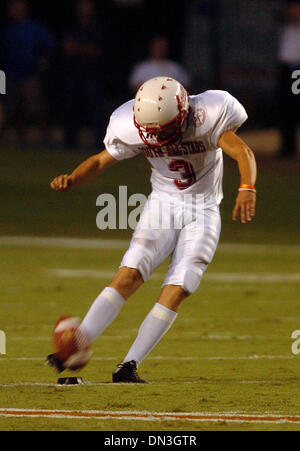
[[223, 44]]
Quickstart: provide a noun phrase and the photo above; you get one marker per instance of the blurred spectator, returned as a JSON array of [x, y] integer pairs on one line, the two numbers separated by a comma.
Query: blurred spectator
[[289, 61], [25, 46], [84, 69], [157, 64]]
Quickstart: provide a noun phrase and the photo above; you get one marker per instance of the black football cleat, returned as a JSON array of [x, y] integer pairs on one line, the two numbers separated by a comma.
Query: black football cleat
[[53, 361], [127, 373]]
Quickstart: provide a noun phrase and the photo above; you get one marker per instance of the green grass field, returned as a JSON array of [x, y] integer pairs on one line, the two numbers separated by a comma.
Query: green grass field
[[228, 352]]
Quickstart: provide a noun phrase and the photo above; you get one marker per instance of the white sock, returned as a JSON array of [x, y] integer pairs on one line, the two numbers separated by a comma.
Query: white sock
[[103, 311], [153, 328]]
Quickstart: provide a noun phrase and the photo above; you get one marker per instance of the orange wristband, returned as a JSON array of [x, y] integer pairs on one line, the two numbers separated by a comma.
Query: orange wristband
[[247, 187]]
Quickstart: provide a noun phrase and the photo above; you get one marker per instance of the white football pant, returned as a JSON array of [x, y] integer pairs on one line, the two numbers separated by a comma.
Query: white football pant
[[180, 226]]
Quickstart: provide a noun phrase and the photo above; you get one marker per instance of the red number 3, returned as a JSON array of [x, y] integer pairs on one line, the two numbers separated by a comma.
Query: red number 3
[[186, 170]]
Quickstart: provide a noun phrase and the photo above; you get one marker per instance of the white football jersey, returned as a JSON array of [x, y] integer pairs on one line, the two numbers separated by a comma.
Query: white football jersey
[[196, 164]]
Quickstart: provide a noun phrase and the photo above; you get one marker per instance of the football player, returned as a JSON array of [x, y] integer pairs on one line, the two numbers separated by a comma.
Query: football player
[[183, 138]]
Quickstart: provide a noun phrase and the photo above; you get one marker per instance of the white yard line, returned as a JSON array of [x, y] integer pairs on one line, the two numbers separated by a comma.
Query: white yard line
[[152, 416], [252, 357], [253, 277], [103, 337], [90, 243], [172, 358], [32, 328], [226, 336], [105, 384], [91, 273], [182, 334], [64, 243], [209, 277]]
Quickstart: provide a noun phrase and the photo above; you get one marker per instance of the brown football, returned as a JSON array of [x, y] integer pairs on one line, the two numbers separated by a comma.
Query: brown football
[[71, 346]]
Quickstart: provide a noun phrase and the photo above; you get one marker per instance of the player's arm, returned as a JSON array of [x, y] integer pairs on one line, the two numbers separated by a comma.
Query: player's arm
[[85, 172], [237, 149]]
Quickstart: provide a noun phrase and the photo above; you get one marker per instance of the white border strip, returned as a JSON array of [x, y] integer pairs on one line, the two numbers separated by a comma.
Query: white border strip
[[151, 416], [65, 243], [90, 243], [210, 277], [174, 358], [105, 384]]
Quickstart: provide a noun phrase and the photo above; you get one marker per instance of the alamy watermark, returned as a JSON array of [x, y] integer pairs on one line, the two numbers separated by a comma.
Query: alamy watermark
[[2, 82], [296, 84], [166, 212], [2, 342]]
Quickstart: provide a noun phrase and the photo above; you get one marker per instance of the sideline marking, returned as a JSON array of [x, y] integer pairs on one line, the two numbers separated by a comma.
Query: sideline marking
[[65, 243], [160, 357], [151, 416], [94, 243], [183, 334], [210, 277], [105, 384]]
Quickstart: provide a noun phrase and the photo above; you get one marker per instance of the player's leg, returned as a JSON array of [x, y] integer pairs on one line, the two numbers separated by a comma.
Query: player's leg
[[154, 327], [110, 301], [148, 248], [127, 281], [194, 251], [172, 297], [104, 309]]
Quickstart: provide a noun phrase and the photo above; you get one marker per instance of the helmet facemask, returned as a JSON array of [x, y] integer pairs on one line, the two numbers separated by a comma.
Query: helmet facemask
[[159, 136]]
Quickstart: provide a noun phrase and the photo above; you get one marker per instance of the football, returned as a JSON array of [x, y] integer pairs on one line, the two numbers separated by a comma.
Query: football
[[72, 347]]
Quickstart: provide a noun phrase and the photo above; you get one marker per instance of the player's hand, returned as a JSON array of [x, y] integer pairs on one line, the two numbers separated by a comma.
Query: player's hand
[[245, 206], [61, 183]]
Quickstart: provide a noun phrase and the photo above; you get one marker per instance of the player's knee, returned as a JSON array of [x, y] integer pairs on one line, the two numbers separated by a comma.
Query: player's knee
[[127, 280], [191, 280], [134, 277]]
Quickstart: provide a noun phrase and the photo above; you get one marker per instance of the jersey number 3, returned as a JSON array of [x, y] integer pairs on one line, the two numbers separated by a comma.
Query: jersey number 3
[[186, 170]]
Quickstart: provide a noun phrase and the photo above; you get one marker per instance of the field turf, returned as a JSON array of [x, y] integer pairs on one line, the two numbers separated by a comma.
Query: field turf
[[229, 350]]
